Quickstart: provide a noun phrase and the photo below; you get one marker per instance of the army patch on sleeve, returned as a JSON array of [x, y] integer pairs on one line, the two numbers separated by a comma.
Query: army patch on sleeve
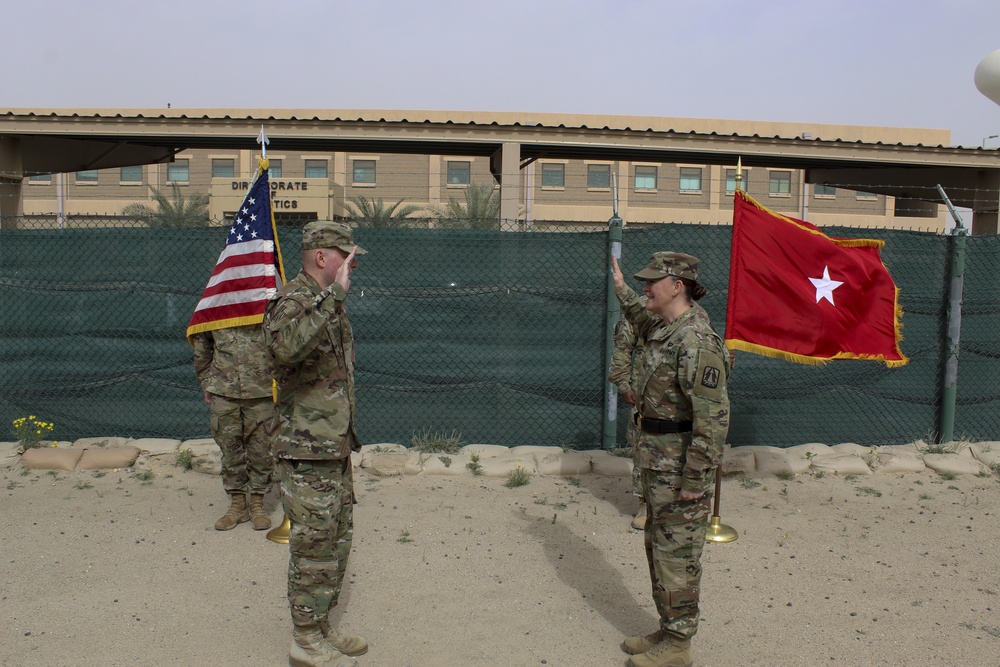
[[710, 377], [709, 381]]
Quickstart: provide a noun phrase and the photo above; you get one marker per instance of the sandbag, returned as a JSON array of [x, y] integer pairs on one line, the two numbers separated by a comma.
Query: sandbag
[[485, 451], [157, 446], [842, 464], [987, 453], [611, 466], [738, 461], [953, 464], [434, 464], [111, 457], [502, 465], [89, 443], [52, 458], [10, 455], [563, 463]]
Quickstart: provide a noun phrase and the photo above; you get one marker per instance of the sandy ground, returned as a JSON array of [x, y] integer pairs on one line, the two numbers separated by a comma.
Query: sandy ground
[[878, 570]]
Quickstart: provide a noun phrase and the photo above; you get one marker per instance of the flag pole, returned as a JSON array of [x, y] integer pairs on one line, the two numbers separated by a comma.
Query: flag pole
[[612, 313], [718, 531], [263, 141], [280, 534]]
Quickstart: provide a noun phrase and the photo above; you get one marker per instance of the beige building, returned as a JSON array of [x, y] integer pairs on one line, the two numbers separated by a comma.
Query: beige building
[[320, 185]]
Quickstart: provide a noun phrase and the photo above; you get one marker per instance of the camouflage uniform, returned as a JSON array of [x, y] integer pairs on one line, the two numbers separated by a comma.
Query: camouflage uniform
[[627, 348], [233, 365], [682, 376], [625, 355], [311, 341]]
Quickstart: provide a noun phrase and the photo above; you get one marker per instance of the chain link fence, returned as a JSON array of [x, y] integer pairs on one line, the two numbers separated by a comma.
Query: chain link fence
[[497, 334]]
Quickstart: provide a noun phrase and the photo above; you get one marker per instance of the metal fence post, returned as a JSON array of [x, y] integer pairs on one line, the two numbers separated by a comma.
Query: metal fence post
[[612, 314], [949, 380]]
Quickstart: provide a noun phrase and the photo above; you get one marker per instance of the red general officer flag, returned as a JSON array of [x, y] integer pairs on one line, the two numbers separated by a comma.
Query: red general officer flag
[[248, 271], [796, 293]]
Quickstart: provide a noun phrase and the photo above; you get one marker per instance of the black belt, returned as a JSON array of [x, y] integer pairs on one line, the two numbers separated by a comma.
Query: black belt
[[651, 425]]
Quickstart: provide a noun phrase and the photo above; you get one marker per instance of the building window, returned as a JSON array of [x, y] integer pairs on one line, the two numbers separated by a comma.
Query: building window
[[824, 190], [130, 174], [273, 168], [731, 181], [223, 168], [459, 173], [870, 196], [177, 171], [599, 176], [553, 175], [87, 176], [41, 178], [315, 168], [690, 179], [780, 184], [364, 172], [645, 178]]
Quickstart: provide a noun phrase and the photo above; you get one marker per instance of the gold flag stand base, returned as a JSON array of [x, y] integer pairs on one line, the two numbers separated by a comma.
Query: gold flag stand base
[[720, 532], [280, 534]]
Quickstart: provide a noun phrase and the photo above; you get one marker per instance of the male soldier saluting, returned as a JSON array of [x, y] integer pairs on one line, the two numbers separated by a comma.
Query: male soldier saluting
[[310, 339], [683, 418]]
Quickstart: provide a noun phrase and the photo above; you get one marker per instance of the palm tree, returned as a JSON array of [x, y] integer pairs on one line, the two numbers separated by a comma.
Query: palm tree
[[481, 209], [175, 211], [371, 212]]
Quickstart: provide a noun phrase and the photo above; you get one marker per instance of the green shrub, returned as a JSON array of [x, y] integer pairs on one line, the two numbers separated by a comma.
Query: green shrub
[[184, 458], [475, 466], [517, 477], [432, 442]]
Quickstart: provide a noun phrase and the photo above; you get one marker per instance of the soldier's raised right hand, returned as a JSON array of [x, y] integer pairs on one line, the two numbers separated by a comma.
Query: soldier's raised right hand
[[344, 272]]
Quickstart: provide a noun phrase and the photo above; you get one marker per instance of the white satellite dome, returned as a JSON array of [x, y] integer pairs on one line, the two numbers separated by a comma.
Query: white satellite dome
[[988, 76]]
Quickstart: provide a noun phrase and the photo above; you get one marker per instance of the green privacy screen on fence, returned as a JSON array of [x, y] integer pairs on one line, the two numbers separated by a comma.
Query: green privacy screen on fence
[[497, 335]]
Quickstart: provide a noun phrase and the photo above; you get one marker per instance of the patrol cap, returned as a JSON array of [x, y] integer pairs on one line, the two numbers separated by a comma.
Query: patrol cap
[[676, 264], [328, 234]]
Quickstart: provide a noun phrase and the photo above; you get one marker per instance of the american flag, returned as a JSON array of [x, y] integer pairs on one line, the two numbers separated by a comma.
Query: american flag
[[248, 271]]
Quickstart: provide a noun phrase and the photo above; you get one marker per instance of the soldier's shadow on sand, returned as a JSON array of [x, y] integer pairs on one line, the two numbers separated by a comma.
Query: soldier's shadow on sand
[[584, 568], [616, 491]]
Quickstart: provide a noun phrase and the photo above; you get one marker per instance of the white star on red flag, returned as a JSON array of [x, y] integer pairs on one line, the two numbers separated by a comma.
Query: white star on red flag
[[824, 286]]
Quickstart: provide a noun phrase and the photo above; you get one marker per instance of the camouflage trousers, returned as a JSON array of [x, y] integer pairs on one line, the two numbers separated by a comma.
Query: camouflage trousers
[[244, 428], [631, 440], [317, 497], [674, 538]]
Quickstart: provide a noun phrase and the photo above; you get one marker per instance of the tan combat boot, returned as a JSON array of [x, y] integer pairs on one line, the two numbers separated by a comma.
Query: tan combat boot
[[310, 649], [635, 645], [669, 652], [639, 522], [238, 513], [260, 519], [346, 644]]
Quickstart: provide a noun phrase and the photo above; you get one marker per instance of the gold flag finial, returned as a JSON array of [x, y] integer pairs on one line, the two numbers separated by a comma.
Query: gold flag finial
[[739, 173]]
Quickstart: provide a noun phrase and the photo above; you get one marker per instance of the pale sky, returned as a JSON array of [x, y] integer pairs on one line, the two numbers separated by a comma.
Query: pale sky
[[871, 62]]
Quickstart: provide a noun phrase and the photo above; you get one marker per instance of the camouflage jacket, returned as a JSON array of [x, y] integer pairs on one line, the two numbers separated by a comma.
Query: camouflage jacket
[[233, 362], [312, 344], [627, 348], [682, 375]]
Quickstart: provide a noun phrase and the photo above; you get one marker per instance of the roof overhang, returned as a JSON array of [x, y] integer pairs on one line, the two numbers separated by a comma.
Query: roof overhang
[[72, 140]]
